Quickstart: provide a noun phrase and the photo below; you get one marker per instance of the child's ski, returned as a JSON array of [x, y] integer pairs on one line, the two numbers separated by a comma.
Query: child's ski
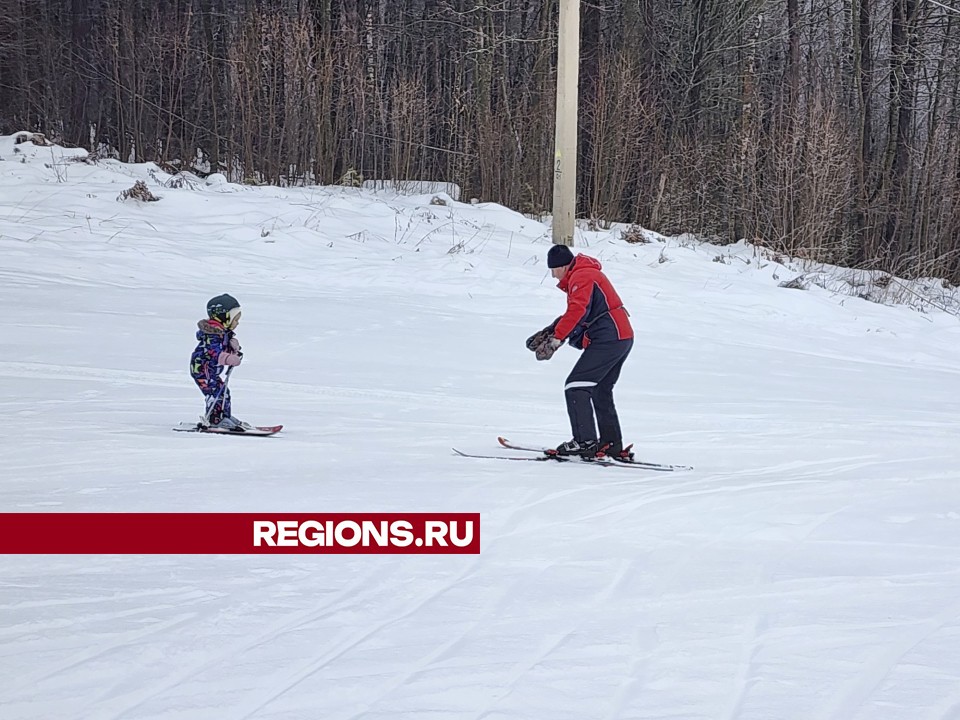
[[253, 430], [658, 467]]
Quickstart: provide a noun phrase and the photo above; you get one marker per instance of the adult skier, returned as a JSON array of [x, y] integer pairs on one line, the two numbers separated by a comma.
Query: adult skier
[[597, 323]]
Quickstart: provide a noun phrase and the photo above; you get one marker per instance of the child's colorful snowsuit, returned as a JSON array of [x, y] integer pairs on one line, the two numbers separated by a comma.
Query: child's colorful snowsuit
[[208, 359]]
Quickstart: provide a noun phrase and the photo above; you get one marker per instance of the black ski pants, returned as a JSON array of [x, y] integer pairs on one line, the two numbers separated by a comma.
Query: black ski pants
[[589, 387]]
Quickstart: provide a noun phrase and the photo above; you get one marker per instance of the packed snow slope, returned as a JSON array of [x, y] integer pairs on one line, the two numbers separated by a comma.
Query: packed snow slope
[[808, 567]]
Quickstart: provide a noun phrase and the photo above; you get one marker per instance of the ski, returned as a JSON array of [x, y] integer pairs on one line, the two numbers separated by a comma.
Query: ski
[[657, 467], [541, 458], [507, 444], [252, 430]]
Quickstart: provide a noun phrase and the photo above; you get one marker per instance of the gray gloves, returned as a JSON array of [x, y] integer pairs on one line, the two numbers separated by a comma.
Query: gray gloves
[[548, 348], [536, 340], [543, 343]]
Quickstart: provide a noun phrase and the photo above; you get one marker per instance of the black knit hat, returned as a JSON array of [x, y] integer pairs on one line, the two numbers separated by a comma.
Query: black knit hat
[[559, 256]]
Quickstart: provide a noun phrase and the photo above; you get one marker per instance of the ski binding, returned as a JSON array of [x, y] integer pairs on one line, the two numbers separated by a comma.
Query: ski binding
[[613, 461]]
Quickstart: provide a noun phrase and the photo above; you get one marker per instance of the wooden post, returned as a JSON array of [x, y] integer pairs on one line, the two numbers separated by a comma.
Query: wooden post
[[565, 158]]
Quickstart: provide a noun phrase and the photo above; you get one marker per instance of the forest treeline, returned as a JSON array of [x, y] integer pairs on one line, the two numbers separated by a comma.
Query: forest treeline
[[823, 128]]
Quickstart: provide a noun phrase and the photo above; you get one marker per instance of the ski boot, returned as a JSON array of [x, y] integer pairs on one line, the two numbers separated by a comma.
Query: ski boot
[[226, 423], [616, 451], [572, 448], [240, 423]]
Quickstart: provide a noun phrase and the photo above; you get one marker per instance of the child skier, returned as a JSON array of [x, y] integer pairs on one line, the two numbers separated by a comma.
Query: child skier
[[217, 347]]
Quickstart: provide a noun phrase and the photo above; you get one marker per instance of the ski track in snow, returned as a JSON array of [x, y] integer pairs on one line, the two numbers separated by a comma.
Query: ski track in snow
[[270, 633], [264, 697]]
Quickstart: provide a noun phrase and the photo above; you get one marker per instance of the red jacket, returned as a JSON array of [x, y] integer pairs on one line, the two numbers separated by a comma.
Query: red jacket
[[591, 303]]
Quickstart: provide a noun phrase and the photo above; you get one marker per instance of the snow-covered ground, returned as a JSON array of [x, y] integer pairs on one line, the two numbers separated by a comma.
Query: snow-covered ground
[[808, 567]]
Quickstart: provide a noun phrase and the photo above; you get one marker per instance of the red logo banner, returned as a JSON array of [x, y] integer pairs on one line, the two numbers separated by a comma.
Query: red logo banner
[[238, 533]]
